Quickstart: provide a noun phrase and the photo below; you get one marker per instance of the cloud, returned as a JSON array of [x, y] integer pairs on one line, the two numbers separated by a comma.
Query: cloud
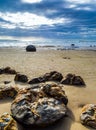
[[81, 1], [84, 8], [22, 38], [7, 25], [28, 20], [51, 11], [31, 1], [47, 18]]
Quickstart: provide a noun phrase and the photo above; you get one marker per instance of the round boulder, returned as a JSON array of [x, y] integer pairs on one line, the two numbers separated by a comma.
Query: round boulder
[[31, 48], [39, 105]]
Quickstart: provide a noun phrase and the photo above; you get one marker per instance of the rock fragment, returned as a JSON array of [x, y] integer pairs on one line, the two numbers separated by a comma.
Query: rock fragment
[[21, 78], [8, 91], [88, 115], [7, 122], [7, 70], [52, 76], [72, 79]]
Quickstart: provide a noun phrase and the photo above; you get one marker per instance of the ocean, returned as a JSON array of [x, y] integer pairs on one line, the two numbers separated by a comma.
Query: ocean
[[53, 42]]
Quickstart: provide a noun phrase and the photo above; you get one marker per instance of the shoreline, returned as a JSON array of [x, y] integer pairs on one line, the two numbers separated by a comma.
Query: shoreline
[[53, 47]]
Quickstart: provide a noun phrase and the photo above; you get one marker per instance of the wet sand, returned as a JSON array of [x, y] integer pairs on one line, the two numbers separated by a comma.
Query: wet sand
[[35, 64]]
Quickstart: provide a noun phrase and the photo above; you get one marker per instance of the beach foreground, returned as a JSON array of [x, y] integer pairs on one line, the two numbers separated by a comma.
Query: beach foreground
[[67, 61]]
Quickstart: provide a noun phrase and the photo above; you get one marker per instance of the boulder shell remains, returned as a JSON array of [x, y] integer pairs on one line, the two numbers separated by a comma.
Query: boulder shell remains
[[39, 105], [72, 79], [88, 115], [8, 91], [52, 76]]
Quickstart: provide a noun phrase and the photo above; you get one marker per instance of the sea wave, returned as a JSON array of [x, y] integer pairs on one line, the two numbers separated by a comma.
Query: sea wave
[[57, 43]]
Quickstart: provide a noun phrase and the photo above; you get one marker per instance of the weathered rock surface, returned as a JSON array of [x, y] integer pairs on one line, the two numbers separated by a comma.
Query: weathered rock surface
[[21, 78], [31, 48], [52, 76], [72, 79], [7, 70], [7, 122], [36, 80], [39, 105], [8, 91], [88, 115]]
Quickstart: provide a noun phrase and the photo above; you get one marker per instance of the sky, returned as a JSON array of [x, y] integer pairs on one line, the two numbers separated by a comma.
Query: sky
[[48, 19]]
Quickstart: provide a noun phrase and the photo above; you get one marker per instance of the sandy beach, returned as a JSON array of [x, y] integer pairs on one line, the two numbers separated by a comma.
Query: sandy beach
[[35, 64]]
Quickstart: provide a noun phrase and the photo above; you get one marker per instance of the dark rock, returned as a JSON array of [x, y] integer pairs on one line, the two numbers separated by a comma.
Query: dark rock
[[72, 79], [66, 57], [21, 78], [7, 70], [52, 76], [78, 80], [36, 80], [8, 91], [31, 48], [88, 115], [1, 71], [7, 82], [39, 105]]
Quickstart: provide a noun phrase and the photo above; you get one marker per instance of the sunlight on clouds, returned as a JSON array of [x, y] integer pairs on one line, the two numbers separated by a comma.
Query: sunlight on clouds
[[29, 20], [80, 4], [51, 11], [22, 38], [71, 5], [79, 1], [31, 1], [84, 8], [82, 1], [7, 25]]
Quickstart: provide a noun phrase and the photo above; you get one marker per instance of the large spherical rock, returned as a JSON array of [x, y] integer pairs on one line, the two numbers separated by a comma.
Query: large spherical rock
[[31, 48], [39, 105]]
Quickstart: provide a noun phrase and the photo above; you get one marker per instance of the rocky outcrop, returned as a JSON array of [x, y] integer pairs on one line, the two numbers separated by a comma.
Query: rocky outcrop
[[21, 78], [8, 91], [7, 122], [39, 105], [52, 76], [72, 79], [7, 70], [88, 115], [31, 48]]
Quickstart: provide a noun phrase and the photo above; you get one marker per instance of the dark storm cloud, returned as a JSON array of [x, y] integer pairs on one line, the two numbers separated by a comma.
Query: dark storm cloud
[[48, 18]]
